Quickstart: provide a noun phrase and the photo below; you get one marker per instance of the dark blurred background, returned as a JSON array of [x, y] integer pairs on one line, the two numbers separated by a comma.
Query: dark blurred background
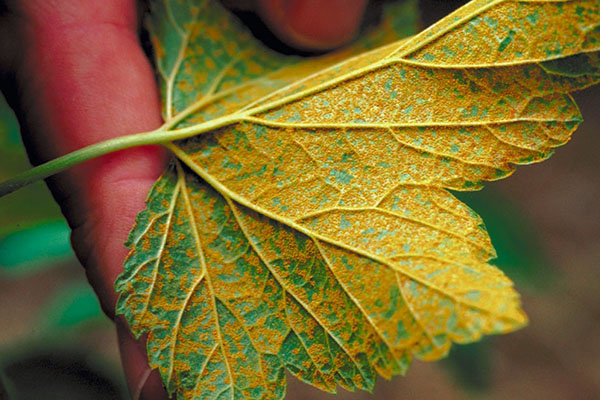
[[544, 222]]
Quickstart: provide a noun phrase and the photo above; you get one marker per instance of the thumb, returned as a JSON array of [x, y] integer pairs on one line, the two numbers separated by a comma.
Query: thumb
[[313, 24]]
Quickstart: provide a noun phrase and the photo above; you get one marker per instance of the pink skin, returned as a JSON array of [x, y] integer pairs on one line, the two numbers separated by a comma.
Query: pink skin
[[313, 24], [75, 60]]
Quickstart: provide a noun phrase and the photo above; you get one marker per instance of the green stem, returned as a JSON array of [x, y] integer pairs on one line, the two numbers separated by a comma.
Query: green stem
[[78, 156], [160, 136]]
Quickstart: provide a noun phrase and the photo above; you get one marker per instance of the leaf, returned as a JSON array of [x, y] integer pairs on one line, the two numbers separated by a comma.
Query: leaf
[[307, 226]]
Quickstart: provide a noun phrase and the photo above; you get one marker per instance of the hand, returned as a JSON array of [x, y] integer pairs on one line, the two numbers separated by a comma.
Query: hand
[[78, 76]]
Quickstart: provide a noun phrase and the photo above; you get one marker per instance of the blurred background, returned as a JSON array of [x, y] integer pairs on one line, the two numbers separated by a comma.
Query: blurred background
[[544, 221]]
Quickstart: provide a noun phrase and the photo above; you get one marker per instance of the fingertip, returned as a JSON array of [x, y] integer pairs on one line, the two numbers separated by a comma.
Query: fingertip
[[152, 388], [113, 190], [144, 383], [314, 24]]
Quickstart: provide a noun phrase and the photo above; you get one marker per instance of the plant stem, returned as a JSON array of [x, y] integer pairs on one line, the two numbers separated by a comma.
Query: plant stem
[[78, 156], [160, 136]]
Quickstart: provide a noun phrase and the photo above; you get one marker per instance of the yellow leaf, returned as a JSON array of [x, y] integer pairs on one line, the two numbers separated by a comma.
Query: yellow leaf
[[307, 226]]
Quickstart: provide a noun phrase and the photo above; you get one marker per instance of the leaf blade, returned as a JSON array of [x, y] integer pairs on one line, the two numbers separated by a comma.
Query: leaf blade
[[325, 240]]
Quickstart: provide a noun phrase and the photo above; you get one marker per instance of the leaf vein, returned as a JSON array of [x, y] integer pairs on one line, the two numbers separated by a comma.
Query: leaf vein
[[354, 300], [391, 213], [282, 283], [210, 286], [227, 193]]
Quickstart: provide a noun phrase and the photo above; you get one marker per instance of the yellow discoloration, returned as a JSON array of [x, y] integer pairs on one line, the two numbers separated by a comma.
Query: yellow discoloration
[[312, 228]]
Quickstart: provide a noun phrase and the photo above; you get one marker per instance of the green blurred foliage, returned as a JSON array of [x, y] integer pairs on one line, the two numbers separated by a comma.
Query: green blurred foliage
[[39, 246], [520, 255], [9, 127], [470, 365], [73, 306], [33, 234], [32, 204]]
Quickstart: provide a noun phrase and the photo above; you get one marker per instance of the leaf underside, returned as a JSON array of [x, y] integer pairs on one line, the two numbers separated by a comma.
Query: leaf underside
[[313, 231]]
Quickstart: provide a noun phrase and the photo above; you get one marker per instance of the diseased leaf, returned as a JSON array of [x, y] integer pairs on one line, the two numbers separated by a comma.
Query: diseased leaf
[[307, 226]]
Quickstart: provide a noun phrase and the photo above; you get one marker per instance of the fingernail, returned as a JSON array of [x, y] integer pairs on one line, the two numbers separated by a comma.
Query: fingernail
[[138, 392], [150, 387], [144, 382]]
